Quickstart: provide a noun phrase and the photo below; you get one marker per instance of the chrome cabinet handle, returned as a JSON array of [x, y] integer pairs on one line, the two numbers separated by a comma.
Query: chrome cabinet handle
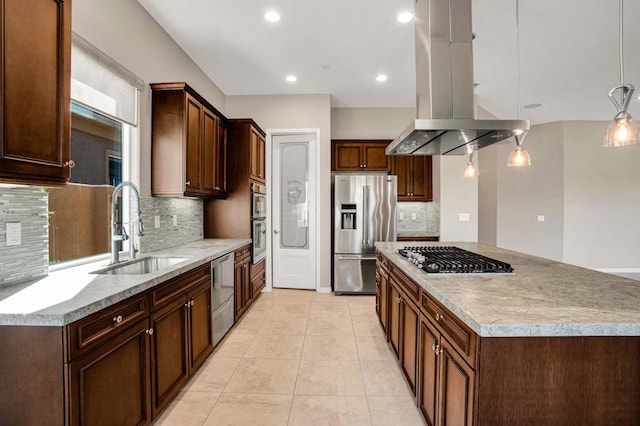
[[150, 331], [437, 349], [71, 164], [439, 317], [193, 302], [433, 347], [275, 231], [117, 319], [188, 183]]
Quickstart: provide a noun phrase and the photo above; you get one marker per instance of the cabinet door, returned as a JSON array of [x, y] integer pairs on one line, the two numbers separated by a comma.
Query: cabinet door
[[220, 161], [110, 385], [209, 129], [347, 156], [422, 187], [193, 137], [238, 277], [456, 388], [401, 168], [246, 283], [427, 385], [200, 339], [409, 346], [257, 155], [169, 367], [383, 302], [374, 157], [394, 318], [35, 91]]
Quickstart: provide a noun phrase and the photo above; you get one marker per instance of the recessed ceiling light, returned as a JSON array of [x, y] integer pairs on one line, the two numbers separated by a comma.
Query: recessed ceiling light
[[292, 78], [532, 106], [381, 78], [405, 17], [272, 16]]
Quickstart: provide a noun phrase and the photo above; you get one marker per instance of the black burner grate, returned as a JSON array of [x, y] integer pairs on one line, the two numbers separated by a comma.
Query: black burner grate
[[452, 260]]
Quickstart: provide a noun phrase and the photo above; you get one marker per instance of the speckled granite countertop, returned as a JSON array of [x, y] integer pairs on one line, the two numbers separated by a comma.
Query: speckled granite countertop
[[543, 298], [67, 295]]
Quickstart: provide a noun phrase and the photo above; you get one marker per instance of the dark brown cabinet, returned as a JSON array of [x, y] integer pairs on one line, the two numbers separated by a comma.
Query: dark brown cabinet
[[110, 385], [188, 144], [257, 155], [258, 278], [394, 318], [35, 92], [181, 337], [360, 155], [382, 290], [242, 279], [414, 177], [409, 315], [446, 382]]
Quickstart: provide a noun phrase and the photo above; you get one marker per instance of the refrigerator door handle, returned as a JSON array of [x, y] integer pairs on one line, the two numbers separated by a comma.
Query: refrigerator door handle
[[365, 214]]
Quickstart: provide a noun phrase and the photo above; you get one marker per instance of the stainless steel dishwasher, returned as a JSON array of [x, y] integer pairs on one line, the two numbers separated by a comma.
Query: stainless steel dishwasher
[[222, 309]]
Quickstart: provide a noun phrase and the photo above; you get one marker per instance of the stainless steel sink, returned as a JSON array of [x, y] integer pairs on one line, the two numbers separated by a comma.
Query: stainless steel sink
[[144, 265]]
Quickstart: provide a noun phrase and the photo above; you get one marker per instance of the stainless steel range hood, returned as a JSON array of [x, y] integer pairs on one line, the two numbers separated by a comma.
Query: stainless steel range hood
[[444, 85]]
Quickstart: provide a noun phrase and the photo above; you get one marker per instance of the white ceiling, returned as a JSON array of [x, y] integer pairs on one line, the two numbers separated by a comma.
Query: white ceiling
[[568, 51]]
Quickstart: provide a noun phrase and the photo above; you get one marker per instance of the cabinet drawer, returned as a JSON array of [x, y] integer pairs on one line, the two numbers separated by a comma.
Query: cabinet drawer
[[257, 269], [408, 285], [241, 253], [163, 293], [384, 262], [97, 328], [458, 333]]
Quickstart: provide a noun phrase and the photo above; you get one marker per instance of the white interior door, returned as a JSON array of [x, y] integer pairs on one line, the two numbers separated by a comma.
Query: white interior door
[[293, 208]]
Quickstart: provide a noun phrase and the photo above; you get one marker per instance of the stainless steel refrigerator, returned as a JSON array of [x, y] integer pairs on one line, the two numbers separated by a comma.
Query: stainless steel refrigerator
[[364, 211]]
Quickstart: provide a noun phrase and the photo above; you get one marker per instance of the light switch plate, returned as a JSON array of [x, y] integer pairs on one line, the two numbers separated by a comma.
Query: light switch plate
[[157, 222], [414, 216], [464, 217], [540, 218], [175, 220], [14, 234], [401, 215]]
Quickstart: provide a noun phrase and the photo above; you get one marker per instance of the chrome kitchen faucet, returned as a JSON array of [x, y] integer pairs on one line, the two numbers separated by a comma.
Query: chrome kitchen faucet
[[115, 237]]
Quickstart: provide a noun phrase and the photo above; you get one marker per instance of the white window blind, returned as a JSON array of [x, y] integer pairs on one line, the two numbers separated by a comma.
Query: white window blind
[[99, 82]]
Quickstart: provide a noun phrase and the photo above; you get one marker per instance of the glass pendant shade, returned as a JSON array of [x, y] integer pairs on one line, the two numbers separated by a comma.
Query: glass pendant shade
[[623, 130], [519, 158], [470, 170]]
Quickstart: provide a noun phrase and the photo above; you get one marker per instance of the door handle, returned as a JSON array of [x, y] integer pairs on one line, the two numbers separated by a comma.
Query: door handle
[[275, 231]]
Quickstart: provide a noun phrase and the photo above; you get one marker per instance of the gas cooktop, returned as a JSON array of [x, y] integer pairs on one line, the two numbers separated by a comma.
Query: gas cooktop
[[452, 260]]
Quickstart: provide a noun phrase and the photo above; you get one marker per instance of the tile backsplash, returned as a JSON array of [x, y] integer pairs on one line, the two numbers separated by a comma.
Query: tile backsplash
[[427, 217], [190, 222], [30, 259]]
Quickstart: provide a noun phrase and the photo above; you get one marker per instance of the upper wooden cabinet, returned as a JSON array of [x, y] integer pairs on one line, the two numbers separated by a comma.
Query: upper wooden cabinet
[[188, 144], [414, 177], [35, 92], [257, 154], [360, 155]]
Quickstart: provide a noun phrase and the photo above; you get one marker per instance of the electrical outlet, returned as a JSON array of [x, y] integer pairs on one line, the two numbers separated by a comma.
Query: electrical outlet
[[540, 218], [464, 217], [14, 234], [401, 215], [414, 216], [157, 222], [175, 220]]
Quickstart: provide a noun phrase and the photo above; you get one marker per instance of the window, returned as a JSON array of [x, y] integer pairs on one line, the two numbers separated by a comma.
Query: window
[[104, 147]]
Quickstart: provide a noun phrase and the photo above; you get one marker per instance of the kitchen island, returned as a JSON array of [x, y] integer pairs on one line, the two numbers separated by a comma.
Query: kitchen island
[[551, 344]]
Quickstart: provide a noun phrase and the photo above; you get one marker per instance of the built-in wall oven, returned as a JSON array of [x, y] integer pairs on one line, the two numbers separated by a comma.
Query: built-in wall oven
[[258, 222]]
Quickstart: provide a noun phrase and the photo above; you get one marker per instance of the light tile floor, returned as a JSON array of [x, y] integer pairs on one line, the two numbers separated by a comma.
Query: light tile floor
[[299, 358]]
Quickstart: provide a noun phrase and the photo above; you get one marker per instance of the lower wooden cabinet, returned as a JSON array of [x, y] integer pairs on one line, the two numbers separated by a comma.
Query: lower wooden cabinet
[[446, 382], [409, 315], [249, 280], [110, 385], [200, 337], [382, 300], [394, 318]]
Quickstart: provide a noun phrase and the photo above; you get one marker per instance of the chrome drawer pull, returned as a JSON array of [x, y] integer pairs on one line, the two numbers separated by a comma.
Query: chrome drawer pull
[[117, 319]]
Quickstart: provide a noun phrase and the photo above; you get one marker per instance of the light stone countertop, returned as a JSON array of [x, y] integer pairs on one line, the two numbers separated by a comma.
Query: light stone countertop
[[70, 294], [543, 298]]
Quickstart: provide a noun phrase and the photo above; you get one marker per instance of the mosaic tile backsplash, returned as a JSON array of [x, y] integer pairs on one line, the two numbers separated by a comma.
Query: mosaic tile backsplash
[[189, 228], [30, 259], [427, 218]]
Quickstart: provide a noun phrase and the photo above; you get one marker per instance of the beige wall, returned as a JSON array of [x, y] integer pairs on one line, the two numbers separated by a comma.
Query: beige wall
[[487, 195], [369, 123], [458, 194], [127, 33], [602, 199], [298, 111]]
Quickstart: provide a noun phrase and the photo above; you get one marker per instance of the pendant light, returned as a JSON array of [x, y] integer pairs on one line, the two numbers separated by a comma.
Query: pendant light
[[623, 130], [518, 157], [470, 170]]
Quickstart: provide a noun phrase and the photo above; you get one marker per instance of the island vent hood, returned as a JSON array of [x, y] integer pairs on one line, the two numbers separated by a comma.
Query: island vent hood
[[444, 85]]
